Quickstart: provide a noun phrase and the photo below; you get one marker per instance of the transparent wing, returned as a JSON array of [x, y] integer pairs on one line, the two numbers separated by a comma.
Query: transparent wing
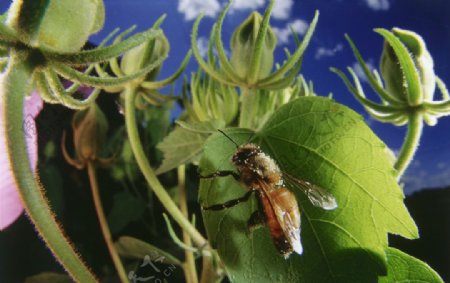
[[316, 195], [292, 231], [290, 224]]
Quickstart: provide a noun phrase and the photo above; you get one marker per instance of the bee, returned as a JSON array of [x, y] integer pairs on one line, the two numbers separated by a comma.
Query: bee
[[278, 207]]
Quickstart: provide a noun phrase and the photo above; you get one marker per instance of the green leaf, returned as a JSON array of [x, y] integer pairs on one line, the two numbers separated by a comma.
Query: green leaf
[[126, 208], [320, 141], [405, 268], [134, 248], [185, 143]]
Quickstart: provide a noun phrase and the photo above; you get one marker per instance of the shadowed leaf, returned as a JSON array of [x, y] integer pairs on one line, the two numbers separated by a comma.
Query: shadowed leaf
[[134, 248], [405, 268]]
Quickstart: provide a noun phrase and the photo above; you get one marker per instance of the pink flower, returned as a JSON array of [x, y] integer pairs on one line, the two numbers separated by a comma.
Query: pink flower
[[10, 203]]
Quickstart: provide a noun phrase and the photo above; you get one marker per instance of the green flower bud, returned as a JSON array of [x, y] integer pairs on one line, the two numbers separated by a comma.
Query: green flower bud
[[138, 57], [243, 45], [53, 25], [211, 100], [393, 72], [89, 133]]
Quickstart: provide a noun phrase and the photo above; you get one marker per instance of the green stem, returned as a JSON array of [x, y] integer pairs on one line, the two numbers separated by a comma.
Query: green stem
[[16, 85], [247, 108], [410, 144], [211, 272], [149, 174], [104, 223], [189, 268]]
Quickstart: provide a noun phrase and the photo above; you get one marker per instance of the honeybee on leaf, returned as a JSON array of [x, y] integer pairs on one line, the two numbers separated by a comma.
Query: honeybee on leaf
[[278, 207]]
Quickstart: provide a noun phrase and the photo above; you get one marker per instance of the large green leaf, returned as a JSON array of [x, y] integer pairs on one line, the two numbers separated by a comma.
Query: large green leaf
[[329, 145], [407, 269]]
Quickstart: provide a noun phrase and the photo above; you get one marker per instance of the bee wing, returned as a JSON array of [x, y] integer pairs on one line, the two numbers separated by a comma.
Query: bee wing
[[291, 228], [316, 195], [289, 220]]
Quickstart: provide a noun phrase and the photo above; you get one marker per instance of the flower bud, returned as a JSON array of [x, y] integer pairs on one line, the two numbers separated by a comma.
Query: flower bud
[[243, 45], [138, 57], [89, 133], [393, 72], [52, 24]]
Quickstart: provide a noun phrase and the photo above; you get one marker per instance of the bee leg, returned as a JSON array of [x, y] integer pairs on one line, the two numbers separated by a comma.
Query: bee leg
[[229, 203], [222, 174], [256, 221]]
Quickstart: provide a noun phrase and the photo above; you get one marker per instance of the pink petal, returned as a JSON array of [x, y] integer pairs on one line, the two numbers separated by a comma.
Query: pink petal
[[10, 204], [33, 104]]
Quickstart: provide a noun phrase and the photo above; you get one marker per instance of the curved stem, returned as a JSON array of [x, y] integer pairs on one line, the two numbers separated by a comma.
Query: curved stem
[[247, 108], [189, 262], [212, 272], [410, 144], [104, 223], [16, 84], [149, 174]]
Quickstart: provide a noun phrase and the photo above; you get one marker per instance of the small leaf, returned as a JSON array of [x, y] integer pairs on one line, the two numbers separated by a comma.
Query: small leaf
[[329, 145], [45, 277], [202, 128], [130, 247], [126, 208], [405, 268], [185, 143]]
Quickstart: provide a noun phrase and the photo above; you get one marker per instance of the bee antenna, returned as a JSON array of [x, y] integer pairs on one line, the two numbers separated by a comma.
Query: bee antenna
[[223, 133]]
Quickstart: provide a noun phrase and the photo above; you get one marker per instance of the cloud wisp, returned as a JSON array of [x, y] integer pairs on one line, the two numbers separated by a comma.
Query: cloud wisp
[[417, 178], [322, 52], [193, 8], [239, 5], [378, 5], [283, 34], [282, 9], [202, 45], [360, 72]]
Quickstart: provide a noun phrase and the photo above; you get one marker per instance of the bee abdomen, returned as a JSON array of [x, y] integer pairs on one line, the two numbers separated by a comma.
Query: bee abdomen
[[279, 239]]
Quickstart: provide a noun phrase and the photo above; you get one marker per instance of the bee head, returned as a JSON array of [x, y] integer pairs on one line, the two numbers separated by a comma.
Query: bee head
[[245, 152]]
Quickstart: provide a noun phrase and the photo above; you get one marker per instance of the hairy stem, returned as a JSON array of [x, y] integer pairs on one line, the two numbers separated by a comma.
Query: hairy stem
[[189, 263], [16, 85], [149, 174], [104, 223], [211, 273], [410, 144], [247, 108]]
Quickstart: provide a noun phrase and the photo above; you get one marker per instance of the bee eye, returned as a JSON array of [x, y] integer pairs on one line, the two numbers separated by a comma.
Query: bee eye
[[240, 157]]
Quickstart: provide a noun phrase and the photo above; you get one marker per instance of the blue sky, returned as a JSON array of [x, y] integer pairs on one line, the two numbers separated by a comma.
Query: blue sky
[[358, 18]]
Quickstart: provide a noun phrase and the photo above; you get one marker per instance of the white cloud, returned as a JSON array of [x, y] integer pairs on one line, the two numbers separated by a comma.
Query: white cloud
[[416, 179], [282, 9], [202, 44], [360, 72], [283, 34], [328, 52], [238, 5], [192, 8], [378, 5]]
